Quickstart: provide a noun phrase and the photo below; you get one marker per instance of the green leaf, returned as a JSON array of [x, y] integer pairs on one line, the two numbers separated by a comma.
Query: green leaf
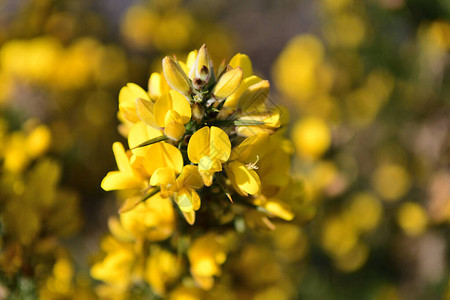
[[132, 202], [248, 122], [151, 141]]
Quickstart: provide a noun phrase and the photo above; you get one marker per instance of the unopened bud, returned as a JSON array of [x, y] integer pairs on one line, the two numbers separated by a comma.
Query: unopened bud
[[175, 76], [198, 112], [202, 68], [228, 83]]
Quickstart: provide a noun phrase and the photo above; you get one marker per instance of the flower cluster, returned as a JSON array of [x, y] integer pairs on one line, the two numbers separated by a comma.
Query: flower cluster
[[205, 146], [199, 128]]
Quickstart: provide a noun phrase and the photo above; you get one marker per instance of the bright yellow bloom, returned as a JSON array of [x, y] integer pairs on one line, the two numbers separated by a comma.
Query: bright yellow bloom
[[244, 62], [209, 148], [157, 86], [185, 195], [172, 111], [241, 169], [126, 177], [127, 101], [153, 220]]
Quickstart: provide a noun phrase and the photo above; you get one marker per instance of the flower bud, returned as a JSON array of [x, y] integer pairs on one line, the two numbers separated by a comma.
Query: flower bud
[[202, 69], [228, 83], [198, 112], [175, 76]]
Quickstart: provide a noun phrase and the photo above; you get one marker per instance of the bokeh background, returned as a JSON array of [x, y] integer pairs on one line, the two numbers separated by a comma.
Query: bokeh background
[[367, 87]]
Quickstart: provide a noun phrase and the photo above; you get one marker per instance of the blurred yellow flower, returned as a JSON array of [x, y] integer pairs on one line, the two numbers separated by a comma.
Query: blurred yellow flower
[[312, 137], [412, 218], [391, 181]]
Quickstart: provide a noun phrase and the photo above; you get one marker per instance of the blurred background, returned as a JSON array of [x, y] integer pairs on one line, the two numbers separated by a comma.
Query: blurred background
[[368, 90]]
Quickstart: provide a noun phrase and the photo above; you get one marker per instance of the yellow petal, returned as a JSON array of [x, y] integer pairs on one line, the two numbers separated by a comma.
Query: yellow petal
[[184, 202], [188, 200], [246, 181], [161, 155], [220, 145], [174, 130], [233, 99], [254, 96], [199, 145], [190, 217], [252, 148], [116, 180], [127, 100], [118, 231], [175, 76], [157, 86], [38, 141], [161, 107], [144, 109], [131, 92], [184, 67], [207, 177], [191, 59], [122, 160], [195, 199], [208, 165], [140, 133], [190, 177], [181, 105], [243, 61], [279, 209], [228, 83], [162, 176]]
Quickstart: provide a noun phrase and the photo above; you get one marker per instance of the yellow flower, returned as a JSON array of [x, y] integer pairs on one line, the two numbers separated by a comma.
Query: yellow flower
[[172, 111], [118, 266], [242, 165], [185, 195], [127, 101], [312, 137], [153, 220], [206, 254], [157, 86], [412, 218], [126, 177], [209, 148], [162, 269], [244, 62]]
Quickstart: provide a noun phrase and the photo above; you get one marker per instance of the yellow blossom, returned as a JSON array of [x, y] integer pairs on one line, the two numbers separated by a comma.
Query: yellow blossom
[[209, 148]]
